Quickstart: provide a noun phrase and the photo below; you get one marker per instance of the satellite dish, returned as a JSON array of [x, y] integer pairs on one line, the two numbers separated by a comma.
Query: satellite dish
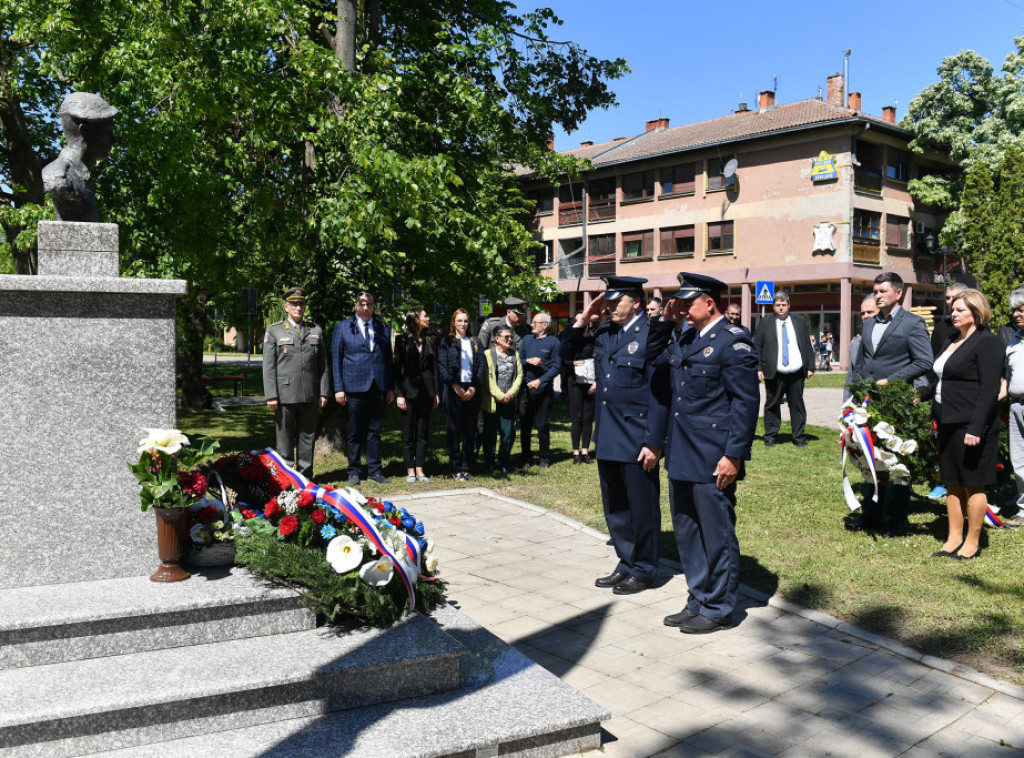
[[730, 168]]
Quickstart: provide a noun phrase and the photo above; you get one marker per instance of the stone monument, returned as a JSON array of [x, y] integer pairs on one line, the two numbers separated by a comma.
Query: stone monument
[[86, 363]]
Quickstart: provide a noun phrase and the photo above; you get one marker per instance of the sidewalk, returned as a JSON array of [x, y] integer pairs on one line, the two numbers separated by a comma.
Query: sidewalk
[[784, 681]]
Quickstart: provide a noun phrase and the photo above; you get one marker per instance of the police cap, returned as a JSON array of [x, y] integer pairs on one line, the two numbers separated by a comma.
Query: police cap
[[295, 295], [515, 304], [691, 285], [87, 107], [617, 286]]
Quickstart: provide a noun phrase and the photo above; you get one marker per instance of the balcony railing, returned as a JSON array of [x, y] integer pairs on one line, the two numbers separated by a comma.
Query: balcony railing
[[601, 265], [601, 210], [570, 213], [867, 181]]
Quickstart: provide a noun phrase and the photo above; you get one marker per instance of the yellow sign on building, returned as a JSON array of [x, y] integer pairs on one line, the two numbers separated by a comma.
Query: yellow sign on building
[[823, 167]]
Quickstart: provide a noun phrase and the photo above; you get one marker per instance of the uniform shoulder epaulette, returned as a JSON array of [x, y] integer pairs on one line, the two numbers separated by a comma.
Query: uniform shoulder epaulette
[[735, 329], [277, 323]]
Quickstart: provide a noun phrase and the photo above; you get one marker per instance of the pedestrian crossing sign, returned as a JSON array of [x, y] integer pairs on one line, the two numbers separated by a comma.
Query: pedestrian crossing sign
[[765, 293]]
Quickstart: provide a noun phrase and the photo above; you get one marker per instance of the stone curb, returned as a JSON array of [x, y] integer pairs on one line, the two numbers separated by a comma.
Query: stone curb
[[822, 619]]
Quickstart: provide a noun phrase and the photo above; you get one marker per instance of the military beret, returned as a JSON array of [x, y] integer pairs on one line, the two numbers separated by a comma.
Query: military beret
[[85, 106]]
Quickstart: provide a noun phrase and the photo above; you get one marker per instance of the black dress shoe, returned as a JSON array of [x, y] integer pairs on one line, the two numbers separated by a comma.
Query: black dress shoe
[[801, 443], [702, 625], [353, 480], [611, 580], [862, 525], [577, 459], [586, 458], [678, 619], [954, 556], [769, 443], [379, 479], [544, 463], [527, 465], [896, 529], [631, 586]]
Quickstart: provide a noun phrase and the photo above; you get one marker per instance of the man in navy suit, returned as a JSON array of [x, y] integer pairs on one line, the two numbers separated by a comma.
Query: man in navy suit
[[783, 344], [362, 360], [630, 415], [894, 347], [714, 411]]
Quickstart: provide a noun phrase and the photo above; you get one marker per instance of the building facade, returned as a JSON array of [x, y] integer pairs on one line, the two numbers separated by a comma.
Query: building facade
[[810, 196]]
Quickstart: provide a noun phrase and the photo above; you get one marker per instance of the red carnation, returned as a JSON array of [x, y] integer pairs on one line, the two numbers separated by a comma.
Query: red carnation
[[247, 514], [1000, 467], [192, 482], [306, 499], [318, 516], [251, 472], [272, 509], [379, 507], [207, 514], [288, 525]]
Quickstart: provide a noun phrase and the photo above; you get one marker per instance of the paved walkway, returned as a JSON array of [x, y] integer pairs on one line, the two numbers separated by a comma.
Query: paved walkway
[[783, 682]]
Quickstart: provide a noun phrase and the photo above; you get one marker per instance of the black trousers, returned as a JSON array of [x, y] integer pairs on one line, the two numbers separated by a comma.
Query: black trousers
[[416, 430], [295, 424], [462, 433], [581, 413], [365, 420], [792, 385], [537, 415], [632, 510]]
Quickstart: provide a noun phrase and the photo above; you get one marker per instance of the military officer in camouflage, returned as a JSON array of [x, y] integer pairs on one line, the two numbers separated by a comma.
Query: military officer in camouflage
[[295, 381]]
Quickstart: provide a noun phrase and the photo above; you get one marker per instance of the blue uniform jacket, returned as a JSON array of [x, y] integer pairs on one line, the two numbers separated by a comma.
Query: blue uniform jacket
[[715, 397], [547, 350], [631, 405], [355, 366]]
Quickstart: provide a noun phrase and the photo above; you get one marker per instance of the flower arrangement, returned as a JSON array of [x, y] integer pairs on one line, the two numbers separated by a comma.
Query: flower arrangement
[[348, 555], [886, 430], [162, 470]]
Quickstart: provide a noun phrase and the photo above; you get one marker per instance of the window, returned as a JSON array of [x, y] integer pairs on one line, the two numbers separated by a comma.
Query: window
[[678, 241], [638, 186], [601, 255], [867, 177], [544, 201], [601, 200], [720, 237], [570, 205], [865, 227], [638, 245], [678, 180], [897, 231], [570, 258], [715, 179], [898, 165], [545, 256]]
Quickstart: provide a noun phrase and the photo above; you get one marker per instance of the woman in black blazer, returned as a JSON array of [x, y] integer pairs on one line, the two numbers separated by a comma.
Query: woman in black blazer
[[965, 408], [460, 362], [415, 390]]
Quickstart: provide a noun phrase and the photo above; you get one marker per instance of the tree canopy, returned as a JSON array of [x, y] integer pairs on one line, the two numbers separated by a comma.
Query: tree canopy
[[336, 144]]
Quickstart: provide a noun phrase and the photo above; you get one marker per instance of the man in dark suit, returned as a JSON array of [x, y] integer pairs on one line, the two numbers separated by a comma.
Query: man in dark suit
[[784, 349], [630, 414], [894, 347], [295, 381], [715, 402], [362, 359]]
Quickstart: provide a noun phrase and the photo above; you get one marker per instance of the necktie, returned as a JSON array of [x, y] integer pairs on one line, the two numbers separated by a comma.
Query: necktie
[[785, 345], [366, 334]]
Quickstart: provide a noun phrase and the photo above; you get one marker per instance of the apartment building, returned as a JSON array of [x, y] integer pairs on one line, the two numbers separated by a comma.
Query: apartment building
[[810, 195]]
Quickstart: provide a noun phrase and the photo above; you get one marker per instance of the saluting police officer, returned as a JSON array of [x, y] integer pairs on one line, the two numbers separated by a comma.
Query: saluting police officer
[[630, 415], [715, 404], [295, 381]]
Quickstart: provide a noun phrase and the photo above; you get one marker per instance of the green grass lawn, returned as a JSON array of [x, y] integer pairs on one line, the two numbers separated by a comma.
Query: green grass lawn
[[790, 524]]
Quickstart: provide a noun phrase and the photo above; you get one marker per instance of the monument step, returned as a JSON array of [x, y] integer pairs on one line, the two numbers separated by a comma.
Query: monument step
[[507, 705], [65, 622], [84, 706]]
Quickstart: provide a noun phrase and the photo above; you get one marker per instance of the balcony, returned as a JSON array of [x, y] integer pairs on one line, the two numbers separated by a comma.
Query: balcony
[[601, 210], [570, 214], [867, 181]]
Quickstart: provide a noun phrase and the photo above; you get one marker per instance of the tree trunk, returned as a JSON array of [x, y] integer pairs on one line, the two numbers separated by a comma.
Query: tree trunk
[[345, 36], [190, 345]]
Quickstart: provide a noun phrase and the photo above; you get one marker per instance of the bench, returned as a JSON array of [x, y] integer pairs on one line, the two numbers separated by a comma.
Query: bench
[[235, 380]]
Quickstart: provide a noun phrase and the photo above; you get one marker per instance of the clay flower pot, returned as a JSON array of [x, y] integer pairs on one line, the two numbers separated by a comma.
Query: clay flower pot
[[170, 539]]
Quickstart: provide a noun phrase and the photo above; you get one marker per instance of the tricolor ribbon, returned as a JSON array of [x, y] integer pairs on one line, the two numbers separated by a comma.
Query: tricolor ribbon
[[863, 436], [407, 566]]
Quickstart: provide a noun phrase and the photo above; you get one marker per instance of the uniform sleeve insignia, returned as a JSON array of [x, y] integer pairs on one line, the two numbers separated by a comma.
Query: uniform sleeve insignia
[[632, 347], [741, 346], [708, 351]]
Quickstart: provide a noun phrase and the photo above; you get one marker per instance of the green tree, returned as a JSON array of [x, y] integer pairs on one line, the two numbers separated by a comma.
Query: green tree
[[259, 147], [978, 218], [1005, 267]]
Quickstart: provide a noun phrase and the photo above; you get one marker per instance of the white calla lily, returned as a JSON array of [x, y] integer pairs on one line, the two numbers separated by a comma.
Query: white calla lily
[[378, 573], [344, 554], [894, 443], [430, 564], [909, 447], [167, 441], [859, 417], [888, 459], [884, 430]]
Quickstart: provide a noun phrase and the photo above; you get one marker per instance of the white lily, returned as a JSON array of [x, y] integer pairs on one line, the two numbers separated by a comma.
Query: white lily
[[344, 554], [859, 417], [888, 459], [378, 573], [165, 440], [899, 470], [894, 443], [908, 447], [430, 564], [884, 430]]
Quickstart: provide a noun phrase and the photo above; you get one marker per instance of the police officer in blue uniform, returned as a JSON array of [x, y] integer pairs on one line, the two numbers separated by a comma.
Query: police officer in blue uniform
[[630, 416], [715, 404]]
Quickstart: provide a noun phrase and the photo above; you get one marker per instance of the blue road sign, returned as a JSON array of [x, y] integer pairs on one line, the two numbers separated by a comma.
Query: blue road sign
[[765, 293]]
